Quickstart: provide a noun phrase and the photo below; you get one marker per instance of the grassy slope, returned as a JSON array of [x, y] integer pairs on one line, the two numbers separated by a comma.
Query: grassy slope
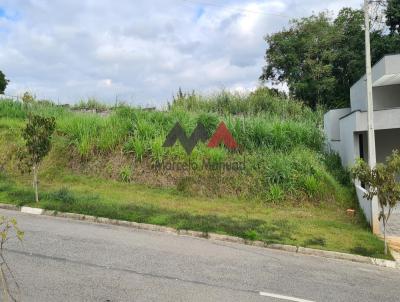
[[319, 224]]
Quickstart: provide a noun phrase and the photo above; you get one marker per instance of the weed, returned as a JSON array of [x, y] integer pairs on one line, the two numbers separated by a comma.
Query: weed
[[275, 193], [125, 175], [63, 195], [184, 184], [316, 241]]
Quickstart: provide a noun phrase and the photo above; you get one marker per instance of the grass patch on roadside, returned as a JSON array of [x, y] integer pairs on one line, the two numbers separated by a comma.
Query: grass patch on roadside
[[323, 226]]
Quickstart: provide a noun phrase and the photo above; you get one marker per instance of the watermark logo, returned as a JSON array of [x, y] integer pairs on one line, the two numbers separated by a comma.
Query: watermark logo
[[221, 136]]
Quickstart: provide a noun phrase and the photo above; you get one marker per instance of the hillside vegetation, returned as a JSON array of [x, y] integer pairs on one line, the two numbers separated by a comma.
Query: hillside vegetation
[[281, 144], [289, 190]]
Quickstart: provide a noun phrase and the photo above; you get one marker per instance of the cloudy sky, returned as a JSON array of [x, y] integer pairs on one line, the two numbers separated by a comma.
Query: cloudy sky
[[140, 51]]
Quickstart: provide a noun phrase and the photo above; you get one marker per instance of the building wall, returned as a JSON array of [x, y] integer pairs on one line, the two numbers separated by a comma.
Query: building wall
[[349, 149], [386, 86], [331, 123], [365, 204], [358, 95], [386, 97], [392, 64], [386, 141], [343, 132]]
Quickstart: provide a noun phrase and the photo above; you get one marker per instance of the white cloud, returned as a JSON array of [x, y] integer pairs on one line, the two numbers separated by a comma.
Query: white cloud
[[140, 51]]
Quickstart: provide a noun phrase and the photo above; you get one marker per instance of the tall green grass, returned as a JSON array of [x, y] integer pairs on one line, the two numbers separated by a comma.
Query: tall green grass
[[263, 100], [90, 104], [10, 109], [90, 133], [281, 139]]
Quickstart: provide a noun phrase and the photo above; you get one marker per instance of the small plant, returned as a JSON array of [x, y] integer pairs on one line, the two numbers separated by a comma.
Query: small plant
[[311, 185], [275, 193], [8, 229], [37, 135], [251, 235], [135, 146], [381, 182], [125, 174], [157, 150]]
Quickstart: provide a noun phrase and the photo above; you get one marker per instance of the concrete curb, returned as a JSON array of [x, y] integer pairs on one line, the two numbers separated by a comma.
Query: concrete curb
[[210, 236]]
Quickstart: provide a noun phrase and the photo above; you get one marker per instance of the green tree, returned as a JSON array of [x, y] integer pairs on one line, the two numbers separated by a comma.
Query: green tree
[[37, 134], [393, 16], [302, 56], [3, 82], [382, 182], [349, 64], [320, 58]]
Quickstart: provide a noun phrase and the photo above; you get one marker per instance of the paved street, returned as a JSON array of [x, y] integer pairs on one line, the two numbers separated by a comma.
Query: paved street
[[66, 260], [393, 228]]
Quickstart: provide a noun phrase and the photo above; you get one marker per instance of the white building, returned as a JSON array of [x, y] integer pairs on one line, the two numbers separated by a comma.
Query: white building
[[346, 129]]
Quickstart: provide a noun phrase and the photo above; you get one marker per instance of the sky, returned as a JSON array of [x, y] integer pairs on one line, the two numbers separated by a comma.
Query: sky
[[140, 51]]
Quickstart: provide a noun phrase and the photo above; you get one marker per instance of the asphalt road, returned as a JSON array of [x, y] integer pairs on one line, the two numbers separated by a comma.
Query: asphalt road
[[66, 260]]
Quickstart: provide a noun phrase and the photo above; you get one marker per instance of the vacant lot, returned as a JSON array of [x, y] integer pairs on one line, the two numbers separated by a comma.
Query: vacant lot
[[290, 191]]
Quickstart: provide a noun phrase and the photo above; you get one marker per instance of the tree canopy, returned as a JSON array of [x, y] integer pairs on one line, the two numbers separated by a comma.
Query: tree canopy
[[321, 57], [393, 16], [3, 82]]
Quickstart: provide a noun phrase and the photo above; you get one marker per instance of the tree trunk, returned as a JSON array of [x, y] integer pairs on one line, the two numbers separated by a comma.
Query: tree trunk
[[35, 182], [384, 236]]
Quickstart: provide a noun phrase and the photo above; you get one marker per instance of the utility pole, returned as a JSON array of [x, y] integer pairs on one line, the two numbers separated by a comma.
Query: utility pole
[[370, 108], [371, 131]]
